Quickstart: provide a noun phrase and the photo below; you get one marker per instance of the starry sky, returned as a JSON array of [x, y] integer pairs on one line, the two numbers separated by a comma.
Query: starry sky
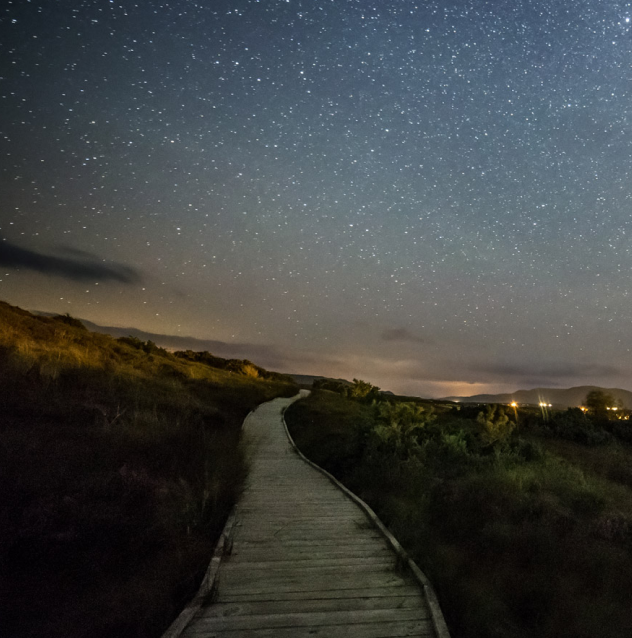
[[434, 196]]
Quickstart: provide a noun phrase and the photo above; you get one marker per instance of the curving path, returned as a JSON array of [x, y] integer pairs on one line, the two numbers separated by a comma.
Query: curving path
[[305, 560]]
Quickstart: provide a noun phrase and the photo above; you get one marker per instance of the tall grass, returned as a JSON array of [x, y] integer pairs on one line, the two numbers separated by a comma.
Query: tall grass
[[518, 539], [118, 466]]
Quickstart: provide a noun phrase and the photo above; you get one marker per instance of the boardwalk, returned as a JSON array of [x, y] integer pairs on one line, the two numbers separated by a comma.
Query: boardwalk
[[305, 559]]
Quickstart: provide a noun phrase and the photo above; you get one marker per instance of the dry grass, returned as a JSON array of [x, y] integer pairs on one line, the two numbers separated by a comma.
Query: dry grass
[[118, 465]]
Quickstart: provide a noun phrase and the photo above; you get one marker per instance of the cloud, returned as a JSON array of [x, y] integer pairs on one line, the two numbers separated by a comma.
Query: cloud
[[81, 267], [549, 373], [400, 334]]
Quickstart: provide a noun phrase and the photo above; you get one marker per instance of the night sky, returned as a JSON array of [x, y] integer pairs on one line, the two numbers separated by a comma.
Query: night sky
[[432, 196]]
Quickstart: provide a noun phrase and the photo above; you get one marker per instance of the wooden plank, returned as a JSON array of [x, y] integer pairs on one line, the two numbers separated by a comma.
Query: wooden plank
[[363, 541], [309, 558], [255, 575], [401, 589], [298, 511], [315, 531], [309, 583], [281, 535], [418, 628], [343, 524], [221, 610], [314, 555], [273, 550], [310, 564], [310, 619], [295, 497]]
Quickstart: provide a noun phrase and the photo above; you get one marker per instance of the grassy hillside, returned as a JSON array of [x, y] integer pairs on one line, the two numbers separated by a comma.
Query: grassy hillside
[[118, 464], [525, 529]]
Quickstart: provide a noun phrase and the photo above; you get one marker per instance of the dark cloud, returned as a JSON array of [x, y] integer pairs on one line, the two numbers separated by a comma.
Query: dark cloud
[[71, 251], [527, 374], [400, 334], [82, 267]]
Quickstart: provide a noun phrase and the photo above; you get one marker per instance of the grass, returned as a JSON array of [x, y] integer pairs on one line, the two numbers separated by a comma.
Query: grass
[[118, 464], [526, 535]]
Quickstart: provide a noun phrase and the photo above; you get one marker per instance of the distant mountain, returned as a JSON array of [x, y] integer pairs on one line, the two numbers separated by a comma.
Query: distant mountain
[[571, 397]]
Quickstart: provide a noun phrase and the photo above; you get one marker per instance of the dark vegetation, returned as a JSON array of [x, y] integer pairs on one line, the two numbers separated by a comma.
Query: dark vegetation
[[118, 465], [521, 518]]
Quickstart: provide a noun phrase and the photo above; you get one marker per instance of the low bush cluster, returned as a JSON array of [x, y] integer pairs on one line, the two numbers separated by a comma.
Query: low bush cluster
[[518, 538]]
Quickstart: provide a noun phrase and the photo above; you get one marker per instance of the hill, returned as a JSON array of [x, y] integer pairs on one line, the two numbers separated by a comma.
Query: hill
[[309, 379], [559, 398], [180, 343], [119, 462]]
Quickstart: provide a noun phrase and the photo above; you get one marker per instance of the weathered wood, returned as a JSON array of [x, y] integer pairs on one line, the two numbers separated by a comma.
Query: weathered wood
[[230, 582], [311, 619], [221, 610], [419, 629], [305, 560], [247, 554], [309, 562], [397, 591], [306, 542], [281, 534]]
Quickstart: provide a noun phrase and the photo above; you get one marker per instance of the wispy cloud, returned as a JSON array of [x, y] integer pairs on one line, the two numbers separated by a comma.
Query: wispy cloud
[[81, 266], [546, 373]]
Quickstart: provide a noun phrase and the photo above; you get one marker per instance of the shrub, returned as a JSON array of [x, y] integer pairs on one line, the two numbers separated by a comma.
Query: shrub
[[495, 425], [517, 541], [574, 425]]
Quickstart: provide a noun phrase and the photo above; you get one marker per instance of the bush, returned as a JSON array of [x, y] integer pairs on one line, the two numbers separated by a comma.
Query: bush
[[574, 425], [495, 425], [517, 541]]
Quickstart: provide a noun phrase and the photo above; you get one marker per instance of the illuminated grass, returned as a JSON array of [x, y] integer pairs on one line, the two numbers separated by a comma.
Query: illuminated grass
[[524, 538], [118, 466]]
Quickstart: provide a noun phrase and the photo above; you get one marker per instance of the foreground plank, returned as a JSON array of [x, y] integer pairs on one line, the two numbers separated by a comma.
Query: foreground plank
[[419, 629]]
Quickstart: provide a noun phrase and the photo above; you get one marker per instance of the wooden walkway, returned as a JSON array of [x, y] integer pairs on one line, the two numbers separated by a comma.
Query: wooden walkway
[[305, 561]]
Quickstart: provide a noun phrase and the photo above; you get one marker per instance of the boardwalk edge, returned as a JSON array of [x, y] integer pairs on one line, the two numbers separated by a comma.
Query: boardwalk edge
[[208, 583], [176, 628], [438, 621]]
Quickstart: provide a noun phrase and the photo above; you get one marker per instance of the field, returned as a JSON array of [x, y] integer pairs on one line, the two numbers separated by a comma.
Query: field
[[525, 529], [119, 462]]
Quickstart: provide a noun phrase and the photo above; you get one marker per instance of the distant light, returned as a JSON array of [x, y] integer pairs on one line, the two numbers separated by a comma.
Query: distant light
[[514, 404]]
